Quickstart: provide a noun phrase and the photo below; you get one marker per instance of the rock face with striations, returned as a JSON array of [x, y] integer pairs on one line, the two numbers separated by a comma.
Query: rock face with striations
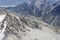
[[47, 10], [13, 27]]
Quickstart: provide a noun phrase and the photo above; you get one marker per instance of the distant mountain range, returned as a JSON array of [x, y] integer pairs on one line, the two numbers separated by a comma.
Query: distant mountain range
[[48, 11]]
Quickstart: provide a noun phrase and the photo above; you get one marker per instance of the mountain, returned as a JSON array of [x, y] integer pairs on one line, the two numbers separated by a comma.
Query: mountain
[[48, 11], [18, 27]]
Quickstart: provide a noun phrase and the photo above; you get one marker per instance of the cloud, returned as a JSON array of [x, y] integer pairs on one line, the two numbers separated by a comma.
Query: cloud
[[8, 5], [10, 2]]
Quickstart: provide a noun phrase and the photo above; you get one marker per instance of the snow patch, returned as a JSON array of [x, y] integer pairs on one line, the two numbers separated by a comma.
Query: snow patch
[[38, 3], [2, 17], [2, 34], [35, 34]]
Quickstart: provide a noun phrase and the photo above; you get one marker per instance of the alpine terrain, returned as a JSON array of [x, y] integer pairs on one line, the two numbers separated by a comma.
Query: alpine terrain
[[19, 27], [46, 10]]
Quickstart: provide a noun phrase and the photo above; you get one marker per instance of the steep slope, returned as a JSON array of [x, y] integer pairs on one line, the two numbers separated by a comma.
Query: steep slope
[[15, 27], [47, 10]]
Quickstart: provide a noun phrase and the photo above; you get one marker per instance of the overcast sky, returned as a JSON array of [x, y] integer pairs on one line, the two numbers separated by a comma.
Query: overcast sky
[[12, 2]]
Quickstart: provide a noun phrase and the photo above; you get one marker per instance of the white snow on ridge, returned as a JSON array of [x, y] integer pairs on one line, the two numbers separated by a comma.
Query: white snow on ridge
[[2, 34], [38, 3], [3, 30], [2, 17]]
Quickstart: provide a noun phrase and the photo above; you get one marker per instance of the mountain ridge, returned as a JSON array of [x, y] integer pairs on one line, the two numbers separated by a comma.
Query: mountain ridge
[[47, 11], [24, 28]]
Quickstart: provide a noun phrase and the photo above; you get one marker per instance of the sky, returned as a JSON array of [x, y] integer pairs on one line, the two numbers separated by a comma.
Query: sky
[[11, 3]]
